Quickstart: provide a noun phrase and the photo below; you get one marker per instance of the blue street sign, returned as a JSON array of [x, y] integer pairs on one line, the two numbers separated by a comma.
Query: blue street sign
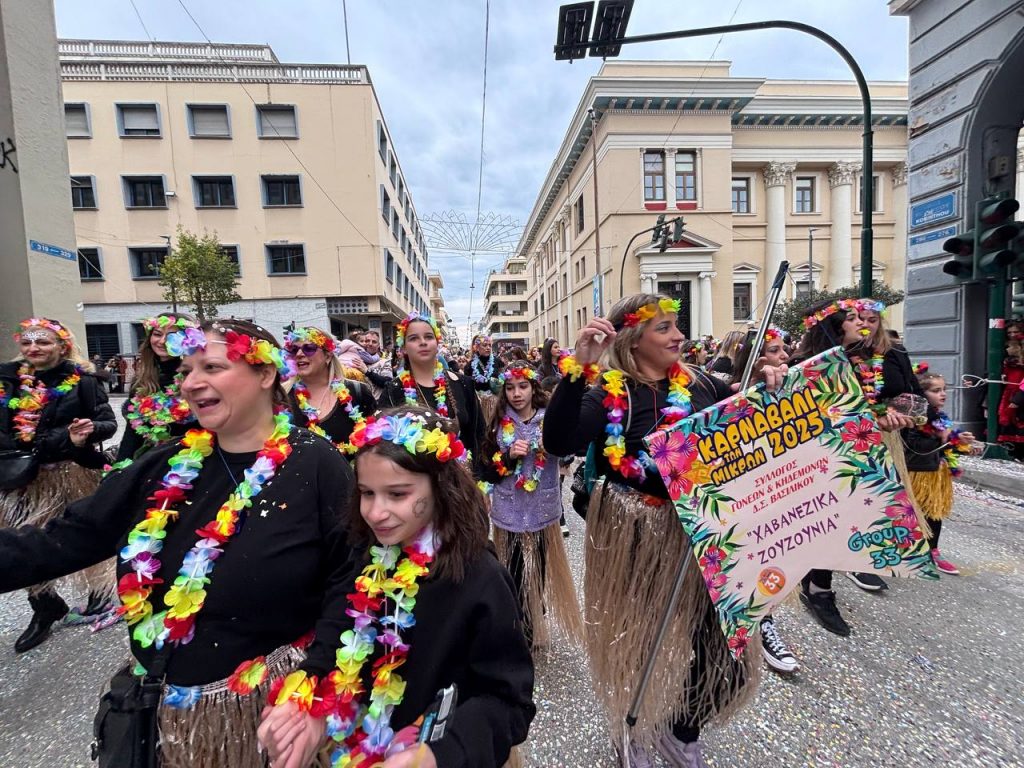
[[933, 211], [935, 234], [597, 296], [52, 250]]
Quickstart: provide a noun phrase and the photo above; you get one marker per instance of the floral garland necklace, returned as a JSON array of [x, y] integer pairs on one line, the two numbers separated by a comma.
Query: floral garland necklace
[[507, 436], [955, 444], [342, 395], [869, 372], [151, 416], [33, 397], [362, 730], [187, 595], [481, 376], [412, 391], [614, 386]]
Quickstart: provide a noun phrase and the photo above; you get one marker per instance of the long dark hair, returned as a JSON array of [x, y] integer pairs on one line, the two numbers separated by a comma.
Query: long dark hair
[[490, 442], [822, 335], [460, 509], [547, 367], [147, 367]]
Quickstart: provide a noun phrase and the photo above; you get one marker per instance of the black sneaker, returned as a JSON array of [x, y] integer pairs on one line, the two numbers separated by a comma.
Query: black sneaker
[[776, 654], [823, 607], [869, 582]]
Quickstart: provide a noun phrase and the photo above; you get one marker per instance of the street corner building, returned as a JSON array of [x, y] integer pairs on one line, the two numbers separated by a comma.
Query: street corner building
[[292, 166], [760, 170]]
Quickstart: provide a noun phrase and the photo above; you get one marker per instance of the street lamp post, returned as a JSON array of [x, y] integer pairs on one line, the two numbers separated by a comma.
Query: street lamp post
[[612, 16]]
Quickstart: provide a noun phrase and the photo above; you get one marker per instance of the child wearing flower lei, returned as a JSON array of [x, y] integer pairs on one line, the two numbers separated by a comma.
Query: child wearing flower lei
[[385, 603], [405, 375], [506, 435]]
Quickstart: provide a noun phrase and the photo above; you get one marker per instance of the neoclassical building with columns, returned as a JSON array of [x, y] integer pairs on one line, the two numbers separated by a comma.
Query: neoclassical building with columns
[[760, 170]]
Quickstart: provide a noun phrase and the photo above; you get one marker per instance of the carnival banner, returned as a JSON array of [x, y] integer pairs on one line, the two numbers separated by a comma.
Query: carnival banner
[[769, 485]]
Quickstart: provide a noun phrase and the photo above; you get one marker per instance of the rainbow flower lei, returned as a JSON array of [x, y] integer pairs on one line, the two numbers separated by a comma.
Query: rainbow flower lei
[[360, 725], [33, 397], [440, 390], [614, 386], [342, 395], [150, 416], [240, 346], [519, 370], [871, 381], [650, 311], [955, 444], [410, 431], [187, 594], [568, 366], [507, 436]]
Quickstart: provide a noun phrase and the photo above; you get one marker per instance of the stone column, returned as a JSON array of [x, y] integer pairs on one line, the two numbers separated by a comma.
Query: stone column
[[705, 317], [841, 178], [776, 174], [897, 274]]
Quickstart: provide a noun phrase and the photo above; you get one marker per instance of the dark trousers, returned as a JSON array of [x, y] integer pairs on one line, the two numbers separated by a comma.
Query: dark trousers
[[933, 540]]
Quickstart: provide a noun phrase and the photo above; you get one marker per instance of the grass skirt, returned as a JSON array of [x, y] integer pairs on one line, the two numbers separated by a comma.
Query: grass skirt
[[547, 581], [633, 547], [894, 442], [934, 492], [44, 499], [488, 404]]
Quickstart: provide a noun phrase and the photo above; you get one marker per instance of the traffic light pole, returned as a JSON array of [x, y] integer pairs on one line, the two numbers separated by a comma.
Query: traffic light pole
[[996, 347], [867, 164]]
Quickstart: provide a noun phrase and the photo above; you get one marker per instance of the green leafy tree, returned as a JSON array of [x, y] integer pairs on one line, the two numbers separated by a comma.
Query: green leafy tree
[[199, 274], [789, 315]]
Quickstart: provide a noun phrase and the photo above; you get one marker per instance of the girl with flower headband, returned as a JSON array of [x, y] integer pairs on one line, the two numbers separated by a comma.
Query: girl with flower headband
[[634, 539], [155, 411], [322, 399], [933, 460], [830, 324], [423, 380], [226, 542], [526, 505], [53, 407], [428, 607]]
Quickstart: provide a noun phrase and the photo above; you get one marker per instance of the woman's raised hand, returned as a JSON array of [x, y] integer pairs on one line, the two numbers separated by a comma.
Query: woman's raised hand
[[594, 338]]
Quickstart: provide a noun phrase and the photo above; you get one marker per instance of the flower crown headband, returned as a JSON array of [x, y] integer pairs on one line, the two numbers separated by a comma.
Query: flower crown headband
[[165, 322], [409, 431], [240, 346], [414, 317], [772, 334], [649, 311], [61, 332], [517, 372], [860, 305], [311, 335]]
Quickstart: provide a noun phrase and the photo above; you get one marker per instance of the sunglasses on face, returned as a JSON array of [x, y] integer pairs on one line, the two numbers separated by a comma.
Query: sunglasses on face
[[307, 349]]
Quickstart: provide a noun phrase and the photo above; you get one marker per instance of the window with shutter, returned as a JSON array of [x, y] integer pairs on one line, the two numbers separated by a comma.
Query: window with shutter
[[138, 120], [209, 121], [277, 122], [76, 121], [83, 193]]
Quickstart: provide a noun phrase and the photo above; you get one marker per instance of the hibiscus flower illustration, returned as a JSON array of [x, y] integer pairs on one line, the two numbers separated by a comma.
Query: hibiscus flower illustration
[[862, 433], [673, 450]]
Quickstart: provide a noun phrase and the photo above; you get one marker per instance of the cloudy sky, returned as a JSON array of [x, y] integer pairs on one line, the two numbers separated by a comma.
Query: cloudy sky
[[426, 61]]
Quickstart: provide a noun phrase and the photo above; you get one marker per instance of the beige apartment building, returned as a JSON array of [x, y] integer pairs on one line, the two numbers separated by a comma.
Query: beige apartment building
[[506, 307], [761, 171], [292, 166]]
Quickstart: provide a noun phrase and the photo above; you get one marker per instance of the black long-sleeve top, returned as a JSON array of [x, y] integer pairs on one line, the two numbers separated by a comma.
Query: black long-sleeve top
[[483, 386], [469, 633], [52, 441], [575, 417], [897, 371], [132, 441], [267, 589], [339, 425], [922, 447], [459, 390]]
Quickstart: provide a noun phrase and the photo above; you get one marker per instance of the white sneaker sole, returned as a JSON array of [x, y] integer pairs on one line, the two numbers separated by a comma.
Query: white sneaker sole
[[865, 587], [778, 664]]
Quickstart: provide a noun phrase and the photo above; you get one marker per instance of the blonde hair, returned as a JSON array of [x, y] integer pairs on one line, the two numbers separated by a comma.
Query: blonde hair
[[731, 344], [879, 340], [620, 354]]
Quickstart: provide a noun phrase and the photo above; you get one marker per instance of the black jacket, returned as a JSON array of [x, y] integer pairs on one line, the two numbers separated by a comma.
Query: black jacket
[[338, 425], [484, 386], [52, 442]]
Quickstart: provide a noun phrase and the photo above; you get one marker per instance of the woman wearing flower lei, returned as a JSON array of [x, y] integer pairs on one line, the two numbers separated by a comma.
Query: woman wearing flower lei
[[634, 540], [830, 324], [322, 399], [423, 380], [430, 608], [526, 504], [483, 367], [226, 543], [155, 411], [51, 405], [933, 458]]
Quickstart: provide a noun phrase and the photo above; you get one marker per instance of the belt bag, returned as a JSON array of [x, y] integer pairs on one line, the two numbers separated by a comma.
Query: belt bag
[[17, 469], [125, 732]]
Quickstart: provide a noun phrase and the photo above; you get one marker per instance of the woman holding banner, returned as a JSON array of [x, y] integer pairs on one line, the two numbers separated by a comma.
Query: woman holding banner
[[830, 324], [634, 539]]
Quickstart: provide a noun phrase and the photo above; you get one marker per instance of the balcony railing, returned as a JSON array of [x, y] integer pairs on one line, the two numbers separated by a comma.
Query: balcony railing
[[112, 49], [210, 72]]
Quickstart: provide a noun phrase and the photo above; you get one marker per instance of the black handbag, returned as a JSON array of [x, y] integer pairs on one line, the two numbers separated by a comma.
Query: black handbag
[[17, 469], [125, 729]]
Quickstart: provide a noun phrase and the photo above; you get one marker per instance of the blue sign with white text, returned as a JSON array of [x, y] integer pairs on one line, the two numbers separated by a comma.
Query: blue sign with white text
[[933, 211], [52, 250]]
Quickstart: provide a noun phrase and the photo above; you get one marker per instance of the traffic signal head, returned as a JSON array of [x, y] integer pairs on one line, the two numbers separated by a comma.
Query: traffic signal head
[[997, 231], [962, 247], [659, 226], [677, 229]]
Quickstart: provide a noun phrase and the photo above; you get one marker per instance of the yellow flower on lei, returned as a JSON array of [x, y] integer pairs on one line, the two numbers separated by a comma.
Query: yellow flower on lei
[[298, 688], [615, 382], [183, 603]]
